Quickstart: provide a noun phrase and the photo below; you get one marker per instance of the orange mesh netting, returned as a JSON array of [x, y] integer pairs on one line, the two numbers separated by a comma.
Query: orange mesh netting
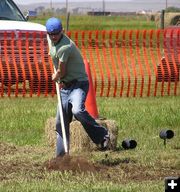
[[123, 63]]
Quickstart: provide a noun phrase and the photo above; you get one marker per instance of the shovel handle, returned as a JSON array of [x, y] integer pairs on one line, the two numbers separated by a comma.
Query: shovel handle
[[61, 116]]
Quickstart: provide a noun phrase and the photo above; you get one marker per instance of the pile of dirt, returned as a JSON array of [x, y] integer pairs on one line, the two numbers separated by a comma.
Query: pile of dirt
[[71, 163], [21, 161]]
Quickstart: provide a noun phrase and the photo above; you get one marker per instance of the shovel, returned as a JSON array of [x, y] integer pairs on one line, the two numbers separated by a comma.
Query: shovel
[[61, 116]]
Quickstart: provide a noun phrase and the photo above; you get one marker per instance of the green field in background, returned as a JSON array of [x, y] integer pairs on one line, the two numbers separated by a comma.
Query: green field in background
[[23, 123], [86, 22]]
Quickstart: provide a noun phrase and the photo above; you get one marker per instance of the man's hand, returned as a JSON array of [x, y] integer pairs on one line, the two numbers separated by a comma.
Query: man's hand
[[60, 73], [56, 76]]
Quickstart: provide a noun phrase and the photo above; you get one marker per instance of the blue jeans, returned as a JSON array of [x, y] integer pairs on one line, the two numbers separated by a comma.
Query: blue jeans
[[73, 103]]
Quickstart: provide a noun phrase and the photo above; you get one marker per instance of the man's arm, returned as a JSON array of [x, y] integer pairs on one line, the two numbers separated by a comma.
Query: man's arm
[[60, 73]]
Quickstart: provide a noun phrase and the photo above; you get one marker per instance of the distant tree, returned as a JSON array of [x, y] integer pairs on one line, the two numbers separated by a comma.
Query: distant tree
[[61, 11], [75, 10], [50, 10], [173, 9], [40, 9]]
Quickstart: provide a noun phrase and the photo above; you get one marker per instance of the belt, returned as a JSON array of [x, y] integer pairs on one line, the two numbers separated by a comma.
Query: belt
[[64, 84]]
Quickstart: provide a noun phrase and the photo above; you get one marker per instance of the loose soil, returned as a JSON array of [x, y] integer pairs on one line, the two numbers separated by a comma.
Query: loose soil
[[71, 163], [15, 160]]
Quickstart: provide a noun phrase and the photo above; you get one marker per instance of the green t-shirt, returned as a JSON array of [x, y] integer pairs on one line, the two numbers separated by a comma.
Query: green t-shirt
[[66, 51]]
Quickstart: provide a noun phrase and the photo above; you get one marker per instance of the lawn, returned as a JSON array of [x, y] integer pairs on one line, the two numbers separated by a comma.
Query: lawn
[[25, 150], [86, 22], [25, 154]]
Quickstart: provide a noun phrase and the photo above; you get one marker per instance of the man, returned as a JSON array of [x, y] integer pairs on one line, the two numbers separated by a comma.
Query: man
[[70, 74]]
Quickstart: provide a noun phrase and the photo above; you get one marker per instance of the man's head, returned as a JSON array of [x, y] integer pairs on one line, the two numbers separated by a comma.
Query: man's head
[[54, 29]]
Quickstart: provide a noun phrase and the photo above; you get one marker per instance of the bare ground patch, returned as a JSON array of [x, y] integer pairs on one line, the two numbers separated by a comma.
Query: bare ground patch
[[15, 161]]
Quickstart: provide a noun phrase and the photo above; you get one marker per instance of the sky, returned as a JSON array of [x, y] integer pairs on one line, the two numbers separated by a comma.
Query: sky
[[47, 1], [121, 5]]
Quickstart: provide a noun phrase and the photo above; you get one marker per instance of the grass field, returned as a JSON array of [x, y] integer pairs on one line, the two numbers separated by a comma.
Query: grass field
[[24, 148], [86, 22]]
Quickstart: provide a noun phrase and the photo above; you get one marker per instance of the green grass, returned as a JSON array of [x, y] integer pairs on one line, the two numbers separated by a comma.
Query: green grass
[[24, 148], [143, 118], [22, 121], [54, 185], [85, 22], [22, 126]]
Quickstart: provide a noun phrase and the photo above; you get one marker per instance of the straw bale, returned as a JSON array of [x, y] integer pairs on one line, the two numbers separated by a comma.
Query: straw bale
[[50, 133], [169, 19], [79, 140]]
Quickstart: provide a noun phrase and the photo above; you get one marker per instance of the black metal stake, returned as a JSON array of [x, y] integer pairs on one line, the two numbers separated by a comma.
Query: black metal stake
[[165, 143]]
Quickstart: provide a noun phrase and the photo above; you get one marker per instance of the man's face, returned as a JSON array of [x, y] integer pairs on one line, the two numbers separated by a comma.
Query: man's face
[[55, 37]]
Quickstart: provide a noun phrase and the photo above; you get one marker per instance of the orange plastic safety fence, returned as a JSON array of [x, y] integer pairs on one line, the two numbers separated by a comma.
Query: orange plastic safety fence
[[25, 66], [124, 63]]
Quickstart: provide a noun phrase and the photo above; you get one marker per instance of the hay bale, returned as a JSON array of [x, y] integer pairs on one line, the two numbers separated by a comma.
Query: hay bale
[[79, 140], [170, 18], [50, 132], [113, 130], [175, 20]]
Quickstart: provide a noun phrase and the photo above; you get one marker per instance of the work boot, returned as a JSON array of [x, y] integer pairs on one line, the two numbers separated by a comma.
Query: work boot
[[105, 143]]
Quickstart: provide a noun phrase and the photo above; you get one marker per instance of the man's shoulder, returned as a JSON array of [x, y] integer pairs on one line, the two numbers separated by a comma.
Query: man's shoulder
[[66, 40]]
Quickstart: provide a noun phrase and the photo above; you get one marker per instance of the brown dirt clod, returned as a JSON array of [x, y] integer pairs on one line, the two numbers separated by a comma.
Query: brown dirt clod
[[71, 163]]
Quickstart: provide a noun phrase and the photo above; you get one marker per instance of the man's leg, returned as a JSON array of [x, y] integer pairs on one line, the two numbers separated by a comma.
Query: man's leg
[[67, 114], [77, 98]]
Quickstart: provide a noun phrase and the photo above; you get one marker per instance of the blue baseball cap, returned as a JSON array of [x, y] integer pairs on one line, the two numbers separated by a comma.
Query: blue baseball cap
[[53, 25]]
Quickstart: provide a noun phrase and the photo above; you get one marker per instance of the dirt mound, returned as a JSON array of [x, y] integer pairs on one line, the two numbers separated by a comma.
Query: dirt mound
[[31, 163], [71, 163]]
